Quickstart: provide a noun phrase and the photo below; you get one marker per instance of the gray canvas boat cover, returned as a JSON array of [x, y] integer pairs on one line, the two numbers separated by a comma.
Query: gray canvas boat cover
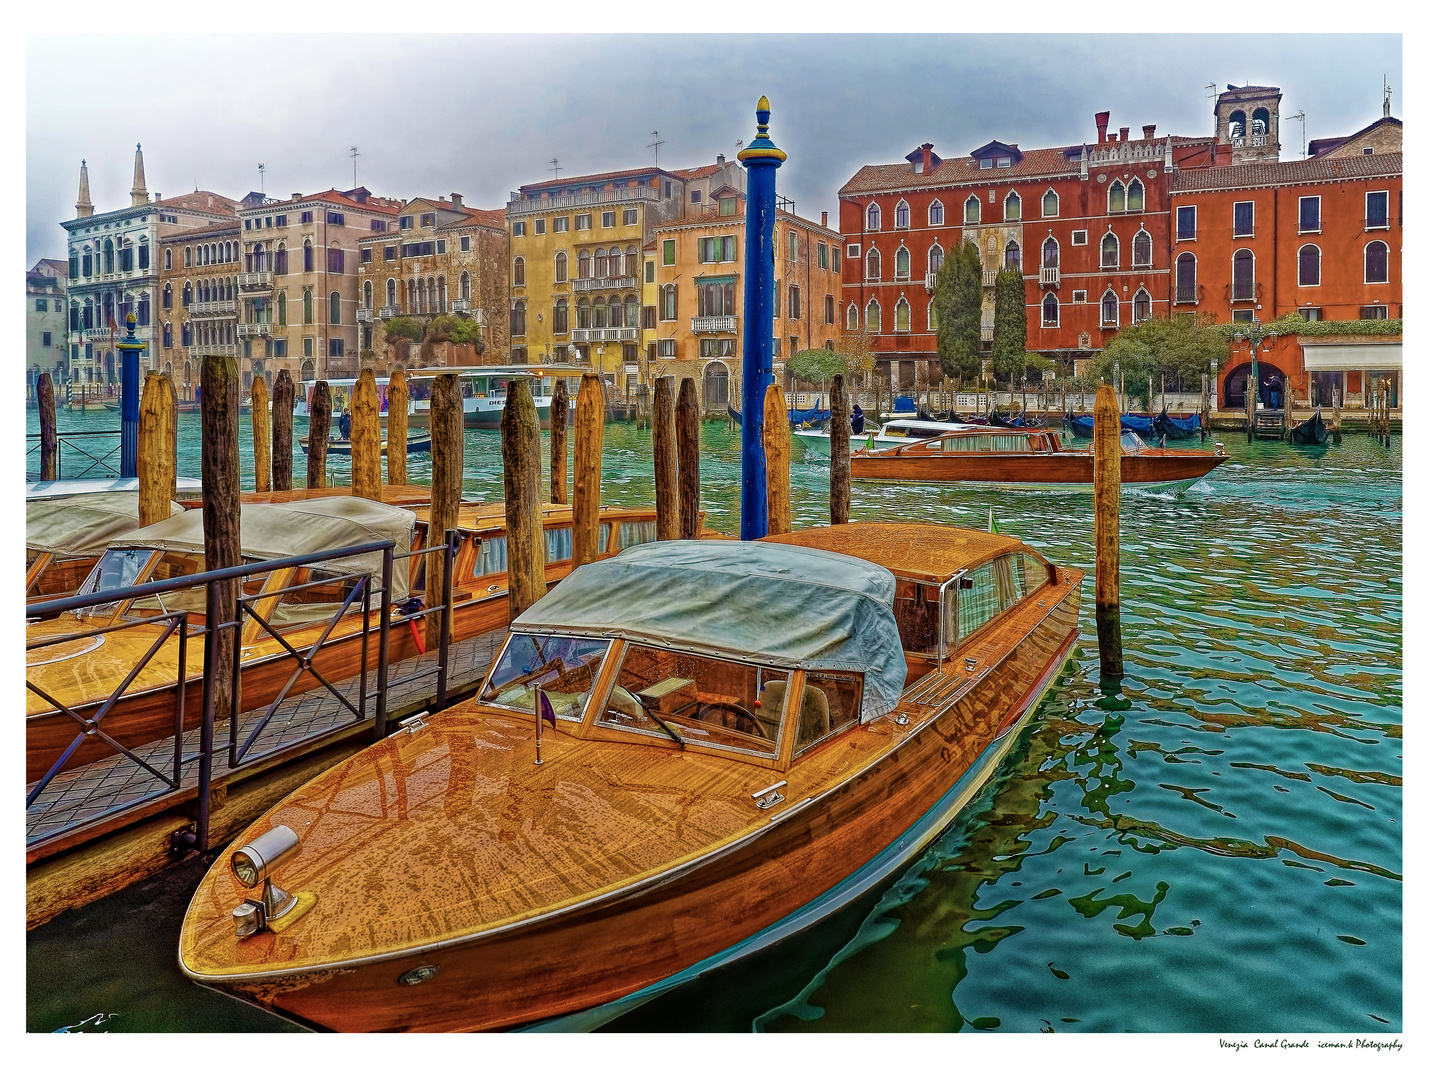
[[82, 524], [281, 530], [758, 603]]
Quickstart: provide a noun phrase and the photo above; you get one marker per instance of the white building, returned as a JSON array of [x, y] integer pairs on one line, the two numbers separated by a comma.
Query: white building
[[45, 324]]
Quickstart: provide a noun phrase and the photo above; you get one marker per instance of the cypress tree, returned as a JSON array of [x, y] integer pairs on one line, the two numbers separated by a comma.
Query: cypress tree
[[957, 311], [1006, 355]]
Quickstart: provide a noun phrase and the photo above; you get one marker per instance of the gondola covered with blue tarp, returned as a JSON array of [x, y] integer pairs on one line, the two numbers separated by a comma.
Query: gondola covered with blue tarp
[[1178, 427]]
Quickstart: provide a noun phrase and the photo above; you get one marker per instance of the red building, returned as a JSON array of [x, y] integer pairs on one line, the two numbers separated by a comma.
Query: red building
[[1103, 230]]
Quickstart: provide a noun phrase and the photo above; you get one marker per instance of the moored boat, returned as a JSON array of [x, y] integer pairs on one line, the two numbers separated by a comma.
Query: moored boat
[[891, 433], [672, 764], [1178, 427], [418, 443], [1083, 426], [1311, 432], [66, 534], [1031, 457]]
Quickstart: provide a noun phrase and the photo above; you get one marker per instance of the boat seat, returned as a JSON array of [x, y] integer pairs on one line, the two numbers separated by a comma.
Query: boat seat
[[814, 717]]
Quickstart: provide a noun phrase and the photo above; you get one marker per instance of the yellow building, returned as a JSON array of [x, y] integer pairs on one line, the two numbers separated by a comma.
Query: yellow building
[[576, 277]]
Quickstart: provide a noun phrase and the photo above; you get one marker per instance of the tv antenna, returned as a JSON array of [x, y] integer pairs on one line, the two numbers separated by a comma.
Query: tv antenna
[[554, 167], [655, 146], [1302, 118], [261, 177], [353, 153], [1386, 98]]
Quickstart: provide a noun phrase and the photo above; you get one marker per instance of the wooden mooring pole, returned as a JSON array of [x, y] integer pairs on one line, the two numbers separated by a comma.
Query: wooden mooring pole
[[1107, 479], [587, 470], [445, 427], [365, 440], [688, 458], [283, 432], [777, 437], [522, 491], [156, 449], [45, 398], [839, 452], [561, 405], [398, 427], [318, 421], [219, 464], [259, 415], [663, 445]]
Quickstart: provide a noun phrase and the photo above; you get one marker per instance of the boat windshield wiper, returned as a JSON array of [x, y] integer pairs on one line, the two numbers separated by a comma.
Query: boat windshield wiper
[[659, 722]]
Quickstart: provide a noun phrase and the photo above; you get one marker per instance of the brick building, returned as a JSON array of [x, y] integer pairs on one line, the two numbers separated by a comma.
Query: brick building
[[198, 305], [45, 323], [445, 258]]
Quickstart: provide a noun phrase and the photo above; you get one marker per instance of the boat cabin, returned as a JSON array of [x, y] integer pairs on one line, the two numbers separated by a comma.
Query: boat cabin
[[66, 535]]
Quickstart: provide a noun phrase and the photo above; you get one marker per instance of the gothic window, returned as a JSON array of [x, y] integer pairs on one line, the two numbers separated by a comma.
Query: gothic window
[[872, 316], [1109, 252], [668, 302], [937, 213], [1011, 256], [852, 317], [168, 335], [1116, 197], [972, 210], [1049, 310], [307, 306], [932, 320], [1011, 207], [367, 294], [307, 257], [1143, 249], [464, 285], [168, 300], [283, 307], [1143, 305], [935, 259], [872, 218], [1374, 261], [186, 295], [902, 316], [902, 215], [1050, 205], [1136, 195], [872, 265], [1109, 309], [1051, 253], [280, 260], [902, 264], [392, 293]]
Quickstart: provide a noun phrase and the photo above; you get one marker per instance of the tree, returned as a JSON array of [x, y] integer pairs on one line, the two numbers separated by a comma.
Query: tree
[[1178, 349], [404, 326], [815, 365], [459, 329], [957, 313], [1007, 356], [856, 348]]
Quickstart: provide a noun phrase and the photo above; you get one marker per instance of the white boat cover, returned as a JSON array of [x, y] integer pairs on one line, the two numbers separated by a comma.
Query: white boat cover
[[82, 524], [758, 603], [280, 530], [48, 489]]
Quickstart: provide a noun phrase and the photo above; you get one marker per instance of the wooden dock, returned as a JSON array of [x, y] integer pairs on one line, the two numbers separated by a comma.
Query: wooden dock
[[85, 838]]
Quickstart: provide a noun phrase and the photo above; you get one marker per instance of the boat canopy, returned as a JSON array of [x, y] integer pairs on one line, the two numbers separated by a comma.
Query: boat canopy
[[758, 603], [914, 550], [82, 524], [298, 528]]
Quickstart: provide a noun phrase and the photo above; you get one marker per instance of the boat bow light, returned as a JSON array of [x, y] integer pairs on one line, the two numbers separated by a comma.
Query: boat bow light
[[257, 861]]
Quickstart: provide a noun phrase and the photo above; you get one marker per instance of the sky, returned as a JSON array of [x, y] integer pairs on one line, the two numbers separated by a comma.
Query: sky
[[482, 114]]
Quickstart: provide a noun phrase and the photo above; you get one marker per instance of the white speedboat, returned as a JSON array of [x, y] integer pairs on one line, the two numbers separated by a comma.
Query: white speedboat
[[892, 433]]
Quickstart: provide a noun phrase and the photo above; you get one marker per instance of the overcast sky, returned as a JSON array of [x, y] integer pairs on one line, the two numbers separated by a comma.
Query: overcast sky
[[483, 114]]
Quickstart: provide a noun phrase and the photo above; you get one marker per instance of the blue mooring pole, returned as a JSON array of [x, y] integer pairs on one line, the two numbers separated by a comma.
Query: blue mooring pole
[[761, 159], [129, 348]]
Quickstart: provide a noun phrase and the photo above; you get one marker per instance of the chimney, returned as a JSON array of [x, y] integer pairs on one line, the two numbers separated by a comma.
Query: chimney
[[1101, 121], [1149, 130], [456, 201], [927, 155], [824, 217], [158, 196], [1123, 134], [297, 195], [720, 159]]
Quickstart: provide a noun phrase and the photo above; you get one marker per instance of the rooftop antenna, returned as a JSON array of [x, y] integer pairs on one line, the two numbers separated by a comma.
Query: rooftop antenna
[[261, 178], [655, 146], [353, 153], [554, 167], [1302, 118], [1386, 98]]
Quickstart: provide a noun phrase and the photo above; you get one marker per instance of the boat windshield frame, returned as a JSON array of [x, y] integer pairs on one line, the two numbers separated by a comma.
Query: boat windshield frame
[[1130, 442], [492, 691]]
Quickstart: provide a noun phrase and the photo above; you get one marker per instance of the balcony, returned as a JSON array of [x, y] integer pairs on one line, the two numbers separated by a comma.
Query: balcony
[[198, 352], [987, 278], [986, 327], [387, 313], [365, 314], [519, 205], [255, 329], [1049, 275], [460, 306], [714, 324], [259, 279], [930, 279], [214, 307], [606, 333], [604, 284]]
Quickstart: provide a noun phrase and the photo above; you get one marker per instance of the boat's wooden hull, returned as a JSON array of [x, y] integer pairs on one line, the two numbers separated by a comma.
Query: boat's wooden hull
[[596, 953], [1073, 468]]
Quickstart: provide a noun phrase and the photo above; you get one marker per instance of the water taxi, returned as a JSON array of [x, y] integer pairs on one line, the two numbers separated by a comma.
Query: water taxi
[[682, 755], [419, 443], [891, 433], [1029, 457], [484, 392], [66, 534]]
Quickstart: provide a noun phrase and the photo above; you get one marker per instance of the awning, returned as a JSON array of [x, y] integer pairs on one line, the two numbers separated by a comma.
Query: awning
[[715, 279], [1364, 356]]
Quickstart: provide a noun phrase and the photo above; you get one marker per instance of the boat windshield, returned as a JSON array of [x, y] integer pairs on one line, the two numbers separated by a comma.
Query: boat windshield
[[565, 668], [1131, 443]]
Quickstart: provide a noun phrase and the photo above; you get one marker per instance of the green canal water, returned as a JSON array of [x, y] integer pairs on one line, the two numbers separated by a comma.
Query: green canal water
[[1214, 846]]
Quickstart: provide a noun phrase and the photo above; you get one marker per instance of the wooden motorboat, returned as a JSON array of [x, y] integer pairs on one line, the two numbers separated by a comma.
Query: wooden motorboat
[[1031, 457], [891, 433], [185, 486], [81, 674], [411, 495], [718, 768], [418, 442], [65, 536]]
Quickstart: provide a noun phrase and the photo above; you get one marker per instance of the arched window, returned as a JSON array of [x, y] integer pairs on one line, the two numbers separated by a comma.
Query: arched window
[[935, 258], [307, 257], [1143, 305], [1186, 279], [872, 218], [392, 293], [629, 269], [559, 316], [1237, 125], [280, 260], [169, 258], [902, 264], [902, 316], [1109, 309], [599, 263], [1116, 197], [188, 256], [1049, 206], [168, 300], [599, 314], [108, 256], [1050, 255], [633, 313], [1374, 263], [584, 266], [1143, 247], [1011, 206], [1260, 123], [852, 317], [872, 265], [559, 267], [1049, 310], [972, 210], [464, 285], [584, 313], [902, 215], [186, 334], [1011, 256], [368, 294], [283, 307], [307, 307], [168, 336], [1310, 265], [668, 302], [1136, 195], [1243, 274], [186, 294], [442, 294], [519, 318], [1109, 252], [872, 316], [937, 213], [519, 271]]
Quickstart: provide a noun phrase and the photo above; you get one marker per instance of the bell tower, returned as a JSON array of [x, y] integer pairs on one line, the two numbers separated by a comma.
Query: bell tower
[[1246, 124]]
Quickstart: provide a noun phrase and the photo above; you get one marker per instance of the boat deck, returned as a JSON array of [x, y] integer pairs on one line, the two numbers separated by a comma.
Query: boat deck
[[100, 798]]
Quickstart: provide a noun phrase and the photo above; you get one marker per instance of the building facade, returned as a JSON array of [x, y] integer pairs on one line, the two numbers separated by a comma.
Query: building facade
[[114, 269], [298, 286], [445, 258], [198, 304], [45, 324], [576, 277]]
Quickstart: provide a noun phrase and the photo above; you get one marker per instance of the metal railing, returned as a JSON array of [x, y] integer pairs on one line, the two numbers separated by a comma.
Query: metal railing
[[603, 284], [214, 307], [713, 324], [198, 352], [96, 455]]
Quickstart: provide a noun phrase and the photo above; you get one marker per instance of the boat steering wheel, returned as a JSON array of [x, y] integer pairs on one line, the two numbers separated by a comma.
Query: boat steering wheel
[[749, 723]]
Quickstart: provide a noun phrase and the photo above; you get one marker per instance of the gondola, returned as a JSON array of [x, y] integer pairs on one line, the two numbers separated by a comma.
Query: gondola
[[419, 442], [1176, 427], [1005, 420], [1311, 432], [1083, 426]]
